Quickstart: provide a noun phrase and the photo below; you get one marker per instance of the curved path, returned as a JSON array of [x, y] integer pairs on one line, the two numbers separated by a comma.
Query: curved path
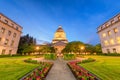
[[60, 71]]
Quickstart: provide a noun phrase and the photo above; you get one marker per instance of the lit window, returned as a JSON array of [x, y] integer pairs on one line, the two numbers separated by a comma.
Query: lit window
[[109, 33], [9, 33], [3, 30], [118, 40], [112, 21], [12, 43], [6, 41], [106, 25], [119, 17], [112, 41], [14, 35], [104, 35], [106, 43], [115, 30]]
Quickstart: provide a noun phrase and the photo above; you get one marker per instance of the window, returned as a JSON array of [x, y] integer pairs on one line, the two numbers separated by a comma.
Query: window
[[3, 30], [6, 21], [114, 50], [9, 33], [112, 21], [104, 35], [118, 40], [109, 33], [119, 17], [16, 28], [3, 51], [106, 43], [106, 25], [10, 51], [115, 30], [112, 41], [14, 35], [6, 41], [0, 39], [12, 43], [12, 24], [108, 51]]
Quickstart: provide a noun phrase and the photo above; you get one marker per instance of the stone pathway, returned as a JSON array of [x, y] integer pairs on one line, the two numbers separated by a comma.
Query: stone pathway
[[60, 71]]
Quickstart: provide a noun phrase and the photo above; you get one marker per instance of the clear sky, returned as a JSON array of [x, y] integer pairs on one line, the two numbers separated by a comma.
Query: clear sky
[[79, 18]]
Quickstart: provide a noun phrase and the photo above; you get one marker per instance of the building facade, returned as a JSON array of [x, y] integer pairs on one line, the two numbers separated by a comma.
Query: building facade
[[10, 33], [59, 41], [109, 34]]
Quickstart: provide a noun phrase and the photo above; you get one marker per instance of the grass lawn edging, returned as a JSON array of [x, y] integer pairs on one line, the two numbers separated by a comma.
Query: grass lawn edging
[[80, 73]]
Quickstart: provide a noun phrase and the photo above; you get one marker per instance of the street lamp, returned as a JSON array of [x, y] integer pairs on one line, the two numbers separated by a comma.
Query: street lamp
[[37, 48], [82, 48]]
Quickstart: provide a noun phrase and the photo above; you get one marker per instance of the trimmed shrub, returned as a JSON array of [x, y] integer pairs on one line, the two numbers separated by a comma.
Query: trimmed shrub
[[69, 56], [51, 56]]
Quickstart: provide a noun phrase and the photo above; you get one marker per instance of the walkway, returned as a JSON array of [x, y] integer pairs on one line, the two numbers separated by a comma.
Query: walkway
[[60, 71]]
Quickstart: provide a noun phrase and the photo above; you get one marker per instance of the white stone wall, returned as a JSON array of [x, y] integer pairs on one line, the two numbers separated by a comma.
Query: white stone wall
[[113, 38]]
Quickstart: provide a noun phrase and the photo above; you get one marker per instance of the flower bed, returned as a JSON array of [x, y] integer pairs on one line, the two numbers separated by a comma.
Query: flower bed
[[80, 73], [39, 73]]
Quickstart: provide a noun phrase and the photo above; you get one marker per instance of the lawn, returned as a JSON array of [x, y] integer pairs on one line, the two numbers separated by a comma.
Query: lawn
[[13, 68], [105, 67]]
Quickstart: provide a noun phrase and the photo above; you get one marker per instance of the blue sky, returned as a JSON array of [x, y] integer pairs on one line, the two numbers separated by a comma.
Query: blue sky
[[79, 18]]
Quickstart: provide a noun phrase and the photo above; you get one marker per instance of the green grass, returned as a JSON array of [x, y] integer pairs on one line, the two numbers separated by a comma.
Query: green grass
[[13, 68], [105, 67]]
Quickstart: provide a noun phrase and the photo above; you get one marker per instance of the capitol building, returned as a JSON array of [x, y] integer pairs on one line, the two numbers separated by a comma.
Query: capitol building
[[59, 41]]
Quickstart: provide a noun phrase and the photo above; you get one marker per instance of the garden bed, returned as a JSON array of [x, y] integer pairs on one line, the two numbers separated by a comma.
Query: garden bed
[[80, 73], [38, 73]]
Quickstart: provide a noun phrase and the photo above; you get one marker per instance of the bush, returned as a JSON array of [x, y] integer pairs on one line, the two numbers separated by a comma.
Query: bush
[[51, 56], [31, 61], [69, 56], [109, 54], [86, 61]]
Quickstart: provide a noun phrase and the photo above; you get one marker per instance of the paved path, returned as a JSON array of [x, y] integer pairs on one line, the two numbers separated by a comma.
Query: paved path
[[60, 71]]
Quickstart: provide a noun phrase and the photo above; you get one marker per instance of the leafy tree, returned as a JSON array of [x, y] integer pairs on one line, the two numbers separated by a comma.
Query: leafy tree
[[98, 48], [26, 44], [47, 49], [73, 46]]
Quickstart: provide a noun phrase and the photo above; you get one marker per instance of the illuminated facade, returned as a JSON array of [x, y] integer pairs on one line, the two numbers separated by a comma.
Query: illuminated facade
[[109, 34], [59, 42], [10, 33]]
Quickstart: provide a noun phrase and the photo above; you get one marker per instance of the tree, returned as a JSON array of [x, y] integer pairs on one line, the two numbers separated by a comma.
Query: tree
[[26, 44], [73, 46], [98, 48], [47, 49]]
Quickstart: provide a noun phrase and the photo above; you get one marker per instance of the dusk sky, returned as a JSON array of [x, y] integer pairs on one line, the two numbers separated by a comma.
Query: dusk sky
[[79, 18]]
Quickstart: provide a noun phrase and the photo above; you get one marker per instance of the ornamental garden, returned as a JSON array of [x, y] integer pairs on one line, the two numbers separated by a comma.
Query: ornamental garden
[[86, 63]]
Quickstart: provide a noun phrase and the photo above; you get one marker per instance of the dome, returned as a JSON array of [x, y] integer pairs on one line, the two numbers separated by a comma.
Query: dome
[[59, 35], [60, 29]]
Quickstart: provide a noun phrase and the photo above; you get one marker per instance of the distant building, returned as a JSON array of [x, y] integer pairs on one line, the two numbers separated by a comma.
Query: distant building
[[10, 33], [59, 42], [109, 34]]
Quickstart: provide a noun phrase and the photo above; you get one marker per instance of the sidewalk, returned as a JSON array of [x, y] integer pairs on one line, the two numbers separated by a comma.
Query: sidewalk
[[60, 71]]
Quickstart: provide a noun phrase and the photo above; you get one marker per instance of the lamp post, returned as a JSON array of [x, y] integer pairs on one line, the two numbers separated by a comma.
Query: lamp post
[[37, 48], [82, 48]]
